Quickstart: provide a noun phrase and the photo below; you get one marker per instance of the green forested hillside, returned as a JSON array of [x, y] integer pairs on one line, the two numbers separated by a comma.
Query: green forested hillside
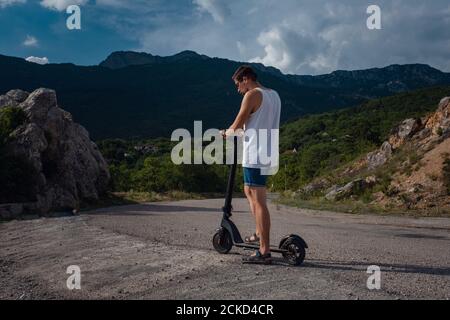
[[146, 166], [322, 143], [143, 96], [326, 141], [149, 101]]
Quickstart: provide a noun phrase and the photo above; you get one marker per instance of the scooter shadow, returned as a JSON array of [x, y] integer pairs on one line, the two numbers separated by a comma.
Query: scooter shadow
[[276, 261], [385, 267]]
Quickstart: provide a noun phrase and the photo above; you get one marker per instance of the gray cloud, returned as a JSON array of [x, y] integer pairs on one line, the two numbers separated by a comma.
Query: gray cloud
[[30, 41], [297, 36], [61, 5], [217, 8], [6, 3]]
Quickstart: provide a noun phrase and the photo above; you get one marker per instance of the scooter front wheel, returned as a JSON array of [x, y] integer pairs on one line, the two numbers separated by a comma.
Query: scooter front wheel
[[296, 252], [222, 241]]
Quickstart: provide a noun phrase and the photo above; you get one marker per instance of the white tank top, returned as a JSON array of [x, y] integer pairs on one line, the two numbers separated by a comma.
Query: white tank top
[[261, 133]]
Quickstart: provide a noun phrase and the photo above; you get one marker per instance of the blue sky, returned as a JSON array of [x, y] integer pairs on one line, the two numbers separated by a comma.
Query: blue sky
[[296, 36]]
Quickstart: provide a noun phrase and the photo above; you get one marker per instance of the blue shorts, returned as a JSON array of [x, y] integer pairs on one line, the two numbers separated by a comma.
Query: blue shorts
[[254, 178]]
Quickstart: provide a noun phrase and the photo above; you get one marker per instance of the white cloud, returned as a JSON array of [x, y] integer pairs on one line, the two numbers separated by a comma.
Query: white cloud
[[216, 8], [308, 38], [61, 5], [253, 10], [294, 45], [6, 3], [37, 60], [30, 41], [113, 3], [297, 36], [241, 47], [276, 53]]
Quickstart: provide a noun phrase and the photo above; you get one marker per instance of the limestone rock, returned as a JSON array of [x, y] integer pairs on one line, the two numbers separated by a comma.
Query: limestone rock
[[6, 101], [68, 166], [379, 157], [315, 186], [439, 122], [337, 193], [12, 98], [18, 95], [404, 131]]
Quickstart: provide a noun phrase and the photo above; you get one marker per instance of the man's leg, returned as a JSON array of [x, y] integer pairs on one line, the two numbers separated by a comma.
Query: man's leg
[[249, 194], [262, 217]]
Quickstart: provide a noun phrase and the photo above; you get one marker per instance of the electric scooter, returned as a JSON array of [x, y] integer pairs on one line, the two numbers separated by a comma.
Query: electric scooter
[[292, 247]]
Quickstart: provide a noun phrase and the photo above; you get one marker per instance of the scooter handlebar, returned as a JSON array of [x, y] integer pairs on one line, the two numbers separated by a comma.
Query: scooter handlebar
[[232, 133]]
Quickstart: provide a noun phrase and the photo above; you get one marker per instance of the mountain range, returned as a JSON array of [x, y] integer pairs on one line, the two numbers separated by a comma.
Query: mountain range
[[139, 95]]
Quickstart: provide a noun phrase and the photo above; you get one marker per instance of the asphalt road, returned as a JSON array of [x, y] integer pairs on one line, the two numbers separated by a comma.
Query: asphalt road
[[164, 251]]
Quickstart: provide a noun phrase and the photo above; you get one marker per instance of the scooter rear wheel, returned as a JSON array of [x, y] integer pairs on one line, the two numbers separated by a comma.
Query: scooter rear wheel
[[222, 241]]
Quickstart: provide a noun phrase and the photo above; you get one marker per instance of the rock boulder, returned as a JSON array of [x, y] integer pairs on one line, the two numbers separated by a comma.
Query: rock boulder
[[439, 122], [379, 157], [404, 131], [68, 166], [337, 193]]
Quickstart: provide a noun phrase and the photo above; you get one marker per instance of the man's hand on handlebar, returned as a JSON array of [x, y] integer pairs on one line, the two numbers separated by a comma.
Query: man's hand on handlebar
[[231, 132]]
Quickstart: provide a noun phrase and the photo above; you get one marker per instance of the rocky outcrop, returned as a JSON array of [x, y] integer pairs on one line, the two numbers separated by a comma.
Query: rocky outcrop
[[404, 131], [379, 157], [337, 193], [439, 122], [418, 177], [422, 131], [315, 187], [13, 98], [399, 136], [356, 186], [68, 166]]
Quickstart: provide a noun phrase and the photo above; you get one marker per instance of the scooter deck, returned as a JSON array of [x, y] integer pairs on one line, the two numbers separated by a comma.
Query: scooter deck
[[254, 246]]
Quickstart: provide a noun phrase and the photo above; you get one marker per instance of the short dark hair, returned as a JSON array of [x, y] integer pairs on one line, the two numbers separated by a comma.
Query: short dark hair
[[245, 71]]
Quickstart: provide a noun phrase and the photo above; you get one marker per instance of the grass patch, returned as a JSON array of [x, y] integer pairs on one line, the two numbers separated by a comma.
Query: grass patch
[[141, 197], [321, 204], [360, 206], [132, 197]]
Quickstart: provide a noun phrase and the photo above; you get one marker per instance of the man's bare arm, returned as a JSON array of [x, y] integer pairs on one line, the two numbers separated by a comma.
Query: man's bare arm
[[247, 106]]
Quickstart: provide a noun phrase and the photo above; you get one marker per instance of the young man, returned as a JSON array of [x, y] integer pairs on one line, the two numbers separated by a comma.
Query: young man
[[259, 115]]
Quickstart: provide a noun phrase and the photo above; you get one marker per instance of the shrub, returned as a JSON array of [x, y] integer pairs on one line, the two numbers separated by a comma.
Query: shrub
[[447, 175], [10, 119], [16, 174], [17, 179]]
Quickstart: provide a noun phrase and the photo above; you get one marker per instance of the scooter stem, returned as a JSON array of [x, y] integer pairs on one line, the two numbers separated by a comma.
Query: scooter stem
[[231, 178]]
